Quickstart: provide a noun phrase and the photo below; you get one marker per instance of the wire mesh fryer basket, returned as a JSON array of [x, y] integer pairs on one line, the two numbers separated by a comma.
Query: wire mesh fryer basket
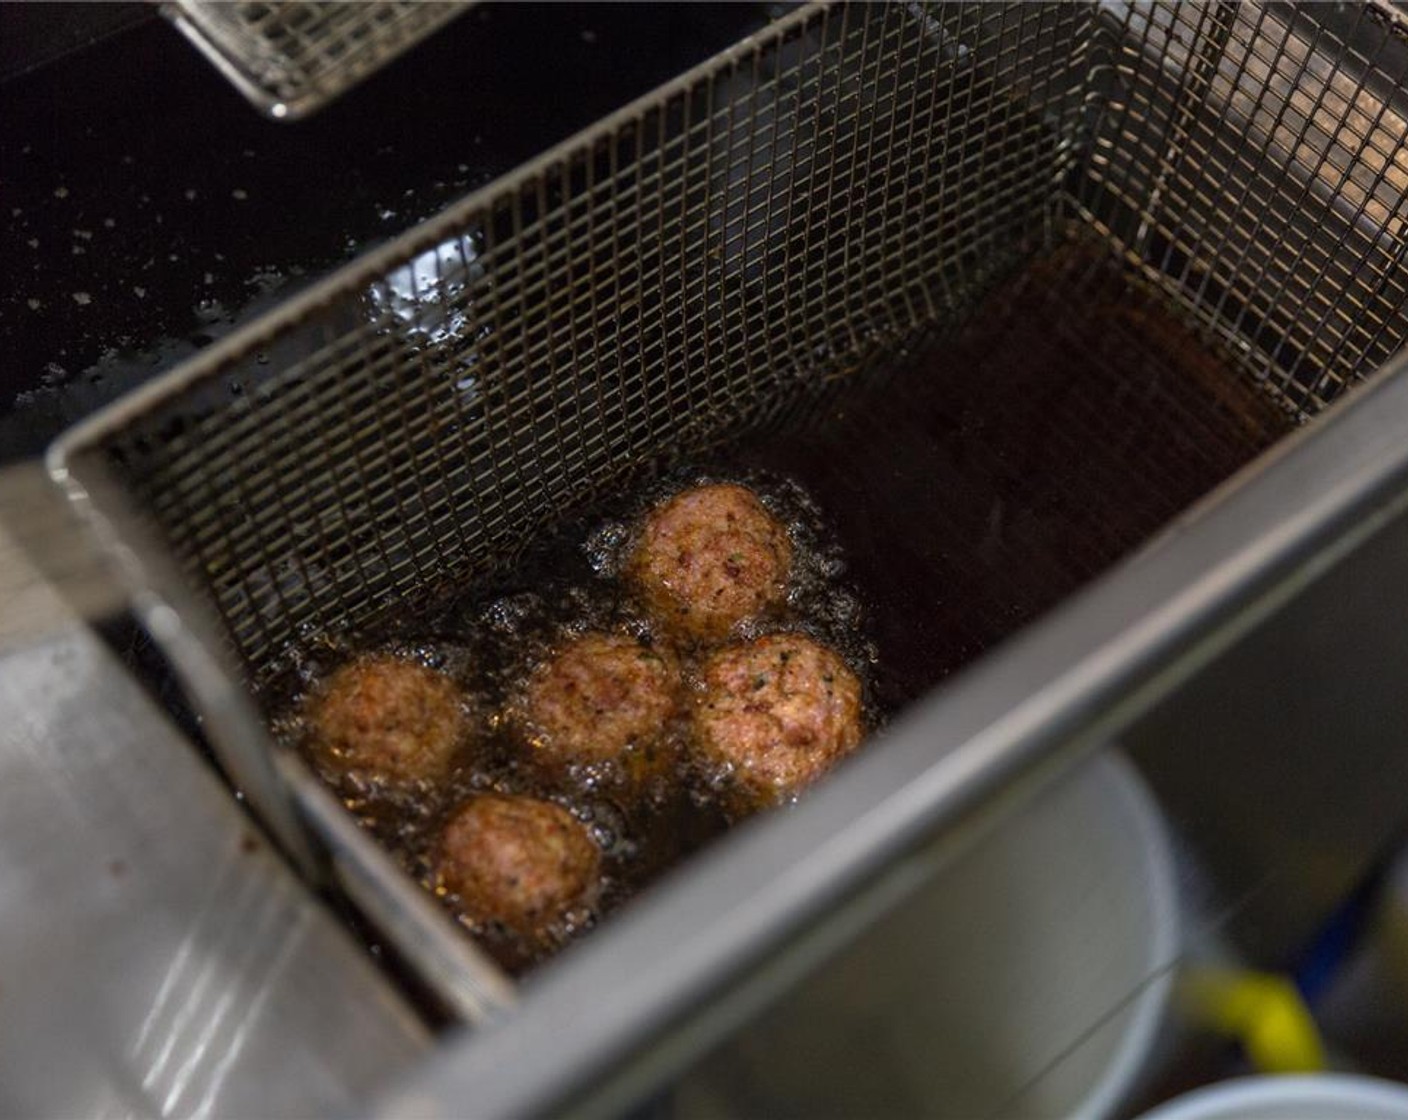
[[650, 286], [771, 229], [291, 58]]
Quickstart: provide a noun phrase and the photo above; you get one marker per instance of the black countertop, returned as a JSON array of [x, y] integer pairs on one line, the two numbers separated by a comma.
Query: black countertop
[[147, 208]]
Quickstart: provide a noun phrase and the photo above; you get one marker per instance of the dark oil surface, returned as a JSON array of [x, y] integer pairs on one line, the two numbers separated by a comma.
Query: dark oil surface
[[148, 210], [1069, 419]]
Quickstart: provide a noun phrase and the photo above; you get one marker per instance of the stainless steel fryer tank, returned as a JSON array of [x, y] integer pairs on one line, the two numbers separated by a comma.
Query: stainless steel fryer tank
[[732, 254]]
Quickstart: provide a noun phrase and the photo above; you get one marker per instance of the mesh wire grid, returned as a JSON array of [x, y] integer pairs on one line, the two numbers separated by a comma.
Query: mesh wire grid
[[291, 57], [1251, 160], [730, 252]]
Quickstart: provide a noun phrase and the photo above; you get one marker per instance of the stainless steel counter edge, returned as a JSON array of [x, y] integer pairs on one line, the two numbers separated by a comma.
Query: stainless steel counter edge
[[158, 958], [1068, 682]]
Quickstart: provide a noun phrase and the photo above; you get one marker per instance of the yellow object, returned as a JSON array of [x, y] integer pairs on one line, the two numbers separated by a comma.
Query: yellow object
[[1263, 1011]]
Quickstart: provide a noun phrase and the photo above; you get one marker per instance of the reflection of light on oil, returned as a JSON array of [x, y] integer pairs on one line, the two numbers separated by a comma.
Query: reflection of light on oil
[[426, 296]]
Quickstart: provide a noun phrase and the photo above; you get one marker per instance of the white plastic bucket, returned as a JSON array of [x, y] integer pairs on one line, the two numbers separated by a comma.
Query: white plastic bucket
[[1028, 980], [1310, 1097]]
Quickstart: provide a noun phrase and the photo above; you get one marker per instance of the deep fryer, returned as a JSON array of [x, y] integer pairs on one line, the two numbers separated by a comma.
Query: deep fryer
[[777, 229]]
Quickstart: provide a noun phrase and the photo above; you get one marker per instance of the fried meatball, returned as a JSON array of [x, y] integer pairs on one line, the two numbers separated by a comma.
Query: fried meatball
[[709, 558], [600, 707], [387, 718], [528, 865], [773, 715]]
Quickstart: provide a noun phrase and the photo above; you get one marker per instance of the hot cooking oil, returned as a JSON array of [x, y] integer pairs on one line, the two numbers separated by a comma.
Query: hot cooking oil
[[1061, 425], [1069, 418]]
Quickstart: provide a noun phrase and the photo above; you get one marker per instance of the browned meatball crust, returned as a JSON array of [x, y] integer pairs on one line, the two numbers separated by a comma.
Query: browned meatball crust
[[386, 718], [602, 701], [526, 864], [774, 715], [709, 558]]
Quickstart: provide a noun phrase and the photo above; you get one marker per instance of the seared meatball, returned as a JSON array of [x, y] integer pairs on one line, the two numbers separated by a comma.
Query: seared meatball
[[528, 865], [386, 718], [600, 707], [774, 715], [709, 558]]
